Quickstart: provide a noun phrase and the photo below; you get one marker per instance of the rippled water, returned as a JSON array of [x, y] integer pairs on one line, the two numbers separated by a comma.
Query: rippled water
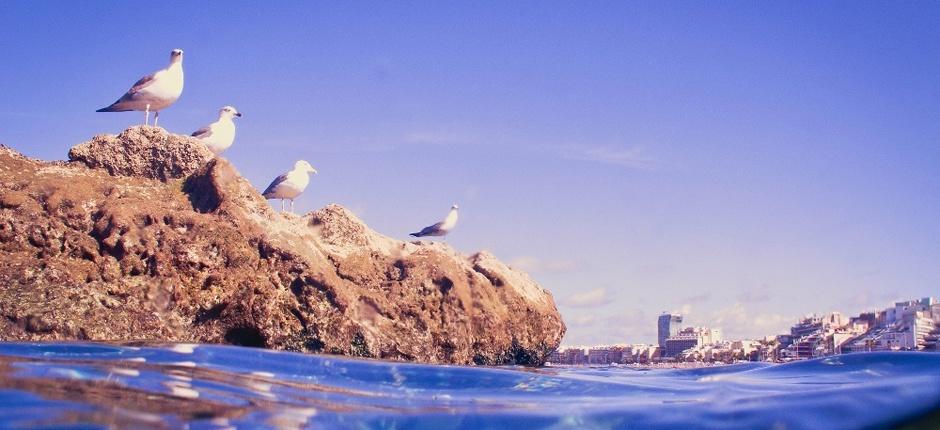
[[207, 386]]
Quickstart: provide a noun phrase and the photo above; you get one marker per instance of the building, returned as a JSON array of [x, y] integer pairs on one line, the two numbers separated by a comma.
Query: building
[[646, 353], [913, 325], [570, 356], [628, 354], [602, 355], [598, 355], [615, 354], [688, 338], [815, 336], [668, 326], [575, 356], [903, 310]]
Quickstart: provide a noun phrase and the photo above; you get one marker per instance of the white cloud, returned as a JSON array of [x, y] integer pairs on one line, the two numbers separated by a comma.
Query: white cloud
[[685, 309], [595, 297]]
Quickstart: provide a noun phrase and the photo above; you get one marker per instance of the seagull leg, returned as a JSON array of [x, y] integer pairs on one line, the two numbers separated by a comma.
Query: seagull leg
[[147, 115], [156, 117], [291, 205], [282, 205]]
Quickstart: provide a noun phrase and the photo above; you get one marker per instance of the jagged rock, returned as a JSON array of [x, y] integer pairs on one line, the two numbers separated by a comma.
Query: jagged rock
[[143, 151], [92, 256]]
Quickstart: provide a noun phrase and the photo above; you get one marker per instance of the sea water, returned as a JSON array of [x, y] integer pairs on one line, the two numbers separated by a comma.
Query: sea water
[[88, 385]]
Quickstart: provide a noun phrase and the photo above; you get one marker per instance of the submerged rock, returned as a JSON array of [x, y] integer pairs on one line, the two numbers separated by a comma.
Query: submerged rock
[[154, 242]]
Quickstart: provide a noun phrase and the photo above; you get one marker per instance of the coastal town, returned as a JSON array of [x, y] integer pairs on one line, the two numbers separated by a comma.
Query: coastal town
[[912, 325]]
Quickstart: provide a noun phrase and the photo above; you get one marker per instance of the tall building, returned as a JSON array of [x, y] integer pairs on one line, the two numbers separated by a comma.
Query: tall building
[[668, 327]]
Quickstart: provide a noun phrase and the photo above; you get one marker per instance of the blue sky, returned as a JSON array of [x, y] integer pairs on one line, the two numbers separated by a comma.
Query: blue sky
[[746, 163]]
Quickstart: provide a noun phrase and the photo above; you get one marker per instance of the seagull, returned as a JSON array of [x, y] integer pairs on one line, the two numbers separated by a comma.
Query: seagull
[[289, 185], [153, 92], [219, 135], [441, 228]]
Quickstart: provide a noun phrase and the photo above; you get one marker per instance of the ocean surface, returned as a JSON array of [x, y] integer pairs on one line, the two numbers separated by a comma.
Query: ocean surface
[[88, 385]]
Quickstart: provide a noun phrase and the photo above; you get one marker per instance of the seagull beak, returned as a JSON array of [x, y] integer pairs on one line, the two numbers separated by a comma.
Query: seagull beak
[[314, 171], [238, 114]]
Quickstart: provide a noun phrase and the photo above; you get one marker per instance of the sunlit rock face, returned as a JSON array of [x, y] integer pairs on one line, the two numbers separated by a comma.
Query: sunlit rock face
[[146, 236]]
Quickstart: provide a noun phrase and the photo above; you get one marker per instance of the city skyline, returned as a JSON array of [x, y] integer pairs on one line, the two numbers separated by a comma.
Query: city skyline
[[678, 323], [767, 162], [909, 325]]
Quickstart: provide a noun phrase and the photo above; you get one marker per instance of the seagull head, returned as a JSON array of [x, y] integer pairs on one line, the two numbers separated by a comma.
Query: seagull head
[[304, 166], [176, 55], [229, 112], [454, 207]]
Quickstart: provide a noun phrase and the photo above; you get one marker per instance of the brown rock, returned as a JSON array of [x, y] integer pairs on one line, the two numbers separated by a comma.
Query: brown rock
[[143, 151], [12, 199], [94, 257]]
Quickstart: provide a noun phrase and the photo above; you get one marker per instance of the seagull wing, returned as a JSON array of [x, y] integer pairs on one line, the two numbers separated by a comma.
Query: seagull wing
[[202, 133], [118, 106], [430, 230], [144, 82], [277, 181]]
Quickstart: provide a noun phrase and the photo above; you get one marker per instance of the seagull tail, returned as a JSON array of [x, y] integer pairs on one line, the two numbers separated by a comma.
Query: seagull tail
[[416, 234]]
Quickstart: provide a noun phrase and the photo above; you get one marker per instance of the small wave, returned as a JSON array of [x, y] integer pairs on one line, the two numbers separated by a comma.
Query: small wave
[[213, 386]]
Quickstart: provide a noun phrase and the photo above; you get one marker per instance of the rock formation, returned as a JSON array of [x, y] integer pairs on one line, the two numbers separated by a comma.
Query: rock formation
[[145, 236]]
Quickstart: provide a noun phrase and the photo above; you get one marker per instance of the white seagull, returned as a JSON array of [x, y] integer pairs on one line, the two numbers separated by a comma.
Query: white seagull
[[219, 135], [441, 228], [289, 185], [153, 92]]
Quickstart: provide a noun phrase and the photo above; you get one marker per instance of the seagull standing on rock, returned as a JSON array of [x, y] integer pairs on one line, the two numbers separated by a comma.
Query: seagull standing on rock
[[153, 92], [441, 228], [219, 135], [289, 185]]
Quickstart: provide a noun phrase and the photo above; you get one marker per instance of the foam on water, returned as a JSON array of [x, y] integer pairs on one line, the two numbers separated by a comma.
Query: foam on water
[[210, 386]]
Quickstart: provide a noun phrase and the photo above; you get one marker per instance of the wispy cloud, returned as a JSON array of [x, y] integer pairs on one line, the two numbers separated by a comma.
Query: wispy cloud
[[755, 295], [595, 297], [697, 298], [582, 320], [738, 322], [632, 326], [536, 265], [623, 326], [435, 138], [869, 299], [633, 157]]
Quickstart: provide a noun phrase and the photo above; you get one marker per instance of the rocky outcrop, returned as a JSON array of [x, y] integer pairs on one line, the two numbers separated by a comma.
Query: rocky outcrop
[[140, 238], [146, 152]]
